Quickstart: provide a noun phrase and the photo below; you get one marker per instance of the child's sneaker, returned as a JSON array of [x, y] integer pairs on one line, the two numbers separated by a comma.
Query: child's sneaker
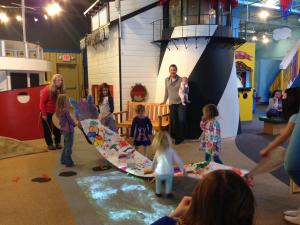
[[158, 195]]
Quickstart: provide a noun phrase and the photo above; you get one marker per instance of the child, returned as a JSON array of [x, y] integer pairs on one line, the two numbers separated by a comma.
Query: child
[[184, 91], [275, 105], [106, 108], [163, 161], [141, 129], [67, 125], [210, 139]]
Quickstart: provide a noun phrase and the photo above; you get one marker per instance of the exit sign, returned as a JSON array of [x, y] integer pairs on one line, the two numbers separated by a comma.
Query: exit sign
[[66, 58]]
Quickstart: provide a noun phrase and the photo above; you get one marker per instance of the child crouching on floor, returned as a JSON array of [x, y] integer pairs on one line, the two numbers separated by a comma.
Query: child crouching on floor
[[163, 161], [210, 139], [67, 125]]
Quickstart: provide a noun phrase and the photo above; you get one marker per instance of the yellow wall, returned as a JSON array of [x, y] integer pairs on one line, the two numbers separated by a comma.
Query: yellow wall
[[71, 70], [246, 104]]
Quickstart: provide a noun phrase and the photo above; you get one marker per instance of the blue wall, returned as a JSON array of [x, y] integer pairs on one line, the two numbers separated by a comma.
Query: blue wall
[[265, 73]]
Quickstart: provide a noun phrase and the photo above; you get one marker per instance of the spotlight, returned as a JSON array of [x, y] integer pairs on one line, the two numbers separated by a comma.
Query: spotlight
[[45, 17], [263, 14], [265, 40], [254, 38], [35, 19], [4, 18], [18, 18], [53, 9]]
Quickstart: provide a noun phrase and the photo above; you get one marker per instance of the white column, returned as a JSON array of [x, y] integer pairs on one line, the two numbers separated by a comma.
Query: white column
[[3, 48], [28, 79], [8, 81]]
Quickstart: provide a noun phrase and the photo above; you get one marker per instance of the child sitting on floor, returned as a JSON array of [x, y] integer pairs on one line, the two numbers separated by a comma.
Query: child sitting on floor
[[163, 161], [67, 125], [141, 129], [210, 139]]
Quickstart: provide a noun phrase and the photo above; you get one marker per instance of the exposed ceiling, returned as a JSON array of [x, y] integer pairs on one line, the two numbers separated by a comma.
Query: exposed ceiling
[[63, 32]]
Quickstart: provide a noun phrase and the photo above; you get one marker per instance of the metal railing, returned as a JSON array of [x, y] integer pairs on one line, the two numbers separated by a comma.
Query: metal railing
[[20, 49]]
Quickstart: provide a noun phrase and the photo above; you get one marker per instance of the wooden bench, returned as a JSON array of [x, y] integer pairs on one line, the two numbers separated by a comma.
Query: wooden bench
[[273, 126], [157, 113]]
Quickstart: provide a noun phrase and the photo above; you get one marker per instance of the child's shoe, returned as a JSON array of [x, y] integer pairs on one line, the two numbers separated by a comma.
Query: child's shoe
[[58, 146], [292, 213], [158, 195], [170, 195], [293, 220], [51, 147]]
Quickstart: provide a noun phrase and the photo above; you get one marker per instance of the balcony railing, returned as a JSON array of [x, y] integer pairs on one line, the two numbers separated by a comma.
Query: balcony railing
[[20, 49]]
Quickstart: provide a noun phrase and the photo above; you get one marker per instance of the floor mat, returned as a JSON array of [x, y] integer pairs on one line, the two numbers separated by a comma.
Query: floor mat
[[251, 144], [10, 147], [122, 199]]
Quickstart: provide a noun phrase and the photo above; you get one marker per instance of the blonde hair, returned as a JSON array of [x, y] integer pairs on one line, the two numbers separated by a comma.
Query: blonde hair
[[61, 102], [161, 141], [53, 88]]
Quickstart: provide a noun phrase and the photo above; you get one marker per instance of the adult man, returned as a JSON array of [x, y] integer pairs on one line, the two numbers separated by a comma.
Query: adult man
[[177, 110]]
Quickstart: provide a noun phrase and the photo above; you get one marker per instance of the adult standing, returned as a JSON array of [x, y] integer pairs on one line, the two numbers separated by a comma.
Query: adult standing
[[177, 110], [48, 106]]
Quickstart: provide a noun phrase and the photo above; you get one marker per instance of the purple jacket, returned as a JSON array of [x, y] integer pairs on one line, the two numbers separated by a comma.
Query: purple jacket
[[66, 122]]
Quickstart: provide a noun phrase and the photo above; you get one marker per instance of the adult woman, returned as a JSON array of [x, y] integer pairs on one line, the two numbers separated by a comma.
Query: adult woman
[[274, 108], [221, 198], [48, 106], [177, 110], [291, 106]]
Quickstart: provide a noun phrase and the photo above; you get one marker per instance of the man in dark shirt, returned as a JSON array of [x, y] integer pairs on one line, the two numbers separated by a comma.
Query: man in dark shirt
[[177, 110]]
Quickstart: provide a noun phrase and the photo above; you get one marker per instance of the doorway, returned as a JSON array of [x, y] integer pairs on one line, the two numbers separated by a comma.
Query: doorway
[[69, 73]]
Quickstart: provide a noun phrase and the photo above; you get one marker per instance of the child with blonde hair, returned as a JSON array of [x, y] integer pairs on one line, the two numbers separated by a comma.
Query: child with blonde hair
[[164, 159], [210, 139], [67, 125]]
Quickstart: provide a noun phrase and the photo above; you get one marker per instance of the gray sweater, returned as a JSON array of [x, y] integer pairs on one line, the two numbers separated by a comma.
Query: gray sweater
[[171, 90]]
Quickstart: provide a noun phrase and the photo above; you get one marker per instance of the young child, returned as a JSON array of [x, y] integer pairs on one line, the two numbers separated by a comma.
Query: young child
[[184, 91], [67, 125], [274, 108], [210, 139], [106, 108], [141, 129], [163, 161]]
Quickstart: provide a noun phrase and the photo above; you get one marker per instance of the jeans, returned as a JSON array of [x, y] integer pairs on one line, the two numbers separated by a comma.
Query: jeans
[[294, 175], [109, 122], [67, 150], [216, 158], [49, 128], [169, 183], [178, 122], [273, 113]]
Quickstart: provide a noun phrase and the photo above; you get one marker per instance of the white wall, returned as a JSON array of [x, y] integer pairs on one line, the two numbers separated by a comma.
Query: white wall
[[140, 57], [103, 64], [229, 116], [3, 81], [127, 7]]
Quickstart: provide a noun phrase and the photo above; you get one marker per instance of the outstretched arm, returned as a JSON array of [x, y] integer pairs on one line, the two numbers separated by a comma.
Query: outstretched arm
[[279, 140]]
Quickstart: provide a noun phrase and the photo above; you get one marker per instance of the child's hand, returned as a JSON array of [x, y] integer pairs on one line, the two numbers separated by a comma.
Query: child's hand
[[182, 208]]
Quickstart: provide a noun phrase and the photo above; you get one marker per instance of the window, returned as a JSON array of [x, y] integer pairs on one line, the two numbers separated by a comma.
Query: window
[[175, 13], [100, 18], [18, 80], [34, 80]]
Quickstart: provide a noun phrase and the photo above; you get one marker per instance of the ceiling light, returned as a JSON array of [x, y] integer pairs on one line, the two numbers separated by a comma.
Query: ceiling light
[[19, 18], [3, 18], [45, 17], [53, 9], [265, 40], [35, 19], [254, 38], [263, 14], [264, 36]]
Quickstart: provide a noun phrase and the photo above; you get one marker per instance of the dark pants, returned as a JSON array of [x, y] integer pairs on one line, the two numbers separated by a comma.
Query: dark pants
[[273, 113], [216, 158], [67, 150], [48, 126], [178, 122]]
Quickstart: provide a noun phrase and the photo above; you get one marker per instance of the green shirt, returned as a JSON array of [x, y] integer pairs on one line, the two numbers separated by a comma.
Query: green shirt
[[172, 89]]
